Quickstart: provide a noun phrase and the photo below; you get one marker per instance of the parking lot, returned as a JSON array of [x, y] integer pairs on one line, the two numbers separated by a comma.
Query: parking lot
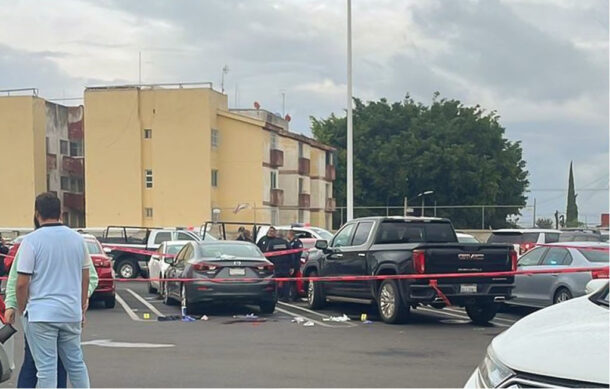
[[128, 347]]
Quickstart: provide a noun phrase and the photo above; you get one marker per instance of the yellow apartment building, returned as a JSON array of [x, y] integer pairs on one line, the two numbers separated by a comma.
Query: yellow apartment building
[[42, 151], [175, 155]]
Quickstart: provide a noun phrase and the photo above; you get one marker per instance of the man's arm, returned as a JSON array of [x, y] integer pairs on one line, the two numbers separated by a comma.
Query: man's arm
[[23, 286], [85, 289]]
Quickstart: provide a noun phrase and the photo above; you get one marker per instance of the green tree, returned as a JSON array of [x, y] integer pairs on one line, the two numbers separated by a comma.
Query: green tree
[[405, 148], [544, 223], [572, 209]]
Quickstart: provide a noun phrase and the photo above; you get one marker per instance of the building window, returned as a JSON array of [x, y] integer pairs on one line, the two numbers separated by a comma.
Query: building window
[[329, 192], [76, 149], [301, 184], [76, 185], [301, 150], [273, 142], [215, 138], [148, 212], [147, 133], [329, 158], [148, 178], [65, 183], [63, 147], [48, 182], [214, 178], [273, 180]]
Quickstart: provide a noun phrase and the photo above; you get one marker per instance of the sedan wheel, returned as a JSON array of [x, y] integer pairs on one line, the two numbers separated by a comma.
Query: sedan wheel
[[184, 302], [561, 296]]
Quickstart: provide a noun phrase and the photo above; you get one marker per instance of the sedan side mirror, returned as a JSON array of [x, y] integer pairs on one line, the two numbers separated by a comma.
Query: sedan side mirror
[[170, 260], [321, 245]]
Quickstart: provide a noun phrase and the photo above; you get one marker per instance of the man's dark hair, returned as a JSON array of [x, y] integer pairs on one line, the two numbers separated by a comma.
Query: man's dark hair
[[48, 205]]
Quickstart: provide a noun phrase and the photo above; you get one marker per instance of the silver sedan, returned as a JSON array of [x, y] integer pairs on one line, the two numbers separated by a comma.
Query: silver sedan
[[541, 290]]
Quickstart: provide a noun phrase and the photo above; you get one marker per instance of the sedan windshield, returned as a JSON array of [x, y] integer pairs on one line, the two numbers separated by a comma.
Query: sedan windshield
[[230, 251], [513, 237], [93, 248]]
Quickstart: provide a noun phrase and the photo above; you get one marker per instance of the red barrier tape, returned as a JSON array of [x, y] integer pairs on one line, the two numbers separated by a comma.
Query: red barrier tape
[[148, 252]]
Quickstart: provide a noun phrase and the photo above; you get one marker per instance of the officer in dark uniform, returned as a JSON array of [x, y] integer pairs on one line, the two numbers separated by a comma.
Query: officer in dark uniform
[[294, 243], [283, 264]]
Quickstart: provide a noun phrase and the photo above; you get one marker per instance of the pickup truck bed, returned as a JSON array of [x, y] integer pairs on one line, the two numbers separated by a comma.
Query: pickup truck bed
[[388, 246]]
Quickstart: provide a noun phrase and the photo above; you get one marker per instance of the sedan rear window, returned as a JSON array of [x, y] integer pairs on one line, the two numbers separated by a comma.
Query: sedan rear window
[[93, 248], [593, 255], [409, 232], [513, 237], [230, 250]]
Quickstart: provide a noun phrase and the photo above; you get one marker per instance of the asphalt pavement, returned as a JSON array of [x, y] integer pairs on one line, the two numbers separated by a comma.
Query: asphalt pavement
[[128, 347]]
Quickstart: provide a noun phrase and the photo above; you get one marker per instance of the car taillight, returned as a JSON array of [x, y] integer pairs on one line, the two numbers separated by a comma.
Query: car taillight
[[513, 260], [204, 267], [601, 273], [268, 268], [525, 247], [419, 261]]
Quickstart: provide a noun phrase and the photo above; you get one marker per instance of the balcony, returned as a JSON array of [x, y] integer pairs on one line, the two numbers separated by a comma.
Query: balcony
[[73, 166], [277, 197], [304, 166], [331, 205], [304, 200], [330, 173], [276, 158], [51, 162], [74, 201], [75, 131]]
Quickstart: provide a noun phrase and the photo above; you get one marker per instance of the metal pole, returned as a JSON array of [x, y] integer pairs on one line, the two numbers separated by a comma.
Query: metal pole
[[139, 68], [341, 216], [423, 204], [434, 208], [350, 151], [483, 217], [534, 222]]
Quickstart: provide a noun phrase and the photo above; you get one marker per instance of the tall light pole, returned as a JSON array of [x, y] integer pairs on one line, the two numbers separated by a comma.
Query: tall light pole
[[423, 201], [350, 140]]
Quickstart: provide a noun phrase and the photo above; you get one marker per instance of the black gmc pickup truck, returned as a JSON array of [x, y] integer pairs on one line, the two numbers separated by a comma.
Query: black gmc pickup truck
[[409, 245]]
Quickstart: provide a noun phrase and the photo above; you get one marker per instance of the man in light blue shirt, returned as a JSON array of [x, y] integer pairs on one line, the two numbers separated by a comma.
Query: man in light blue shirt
[[52, 294]]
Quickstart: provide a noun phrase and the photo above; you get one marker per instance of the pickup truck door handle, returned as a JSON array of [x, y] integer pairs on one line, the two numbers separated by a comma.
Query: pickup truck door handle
[[361, 254], [339, 255]]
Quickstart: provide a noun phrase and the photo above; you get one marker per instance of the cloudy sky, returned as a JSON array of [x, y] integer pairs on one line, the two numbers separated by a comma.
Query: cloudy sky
[[542, 64]]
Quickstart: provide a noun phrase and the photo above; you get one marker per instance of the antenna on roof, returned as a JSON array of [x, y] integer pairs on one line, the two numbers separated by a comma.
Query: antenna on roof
[[225, 70]]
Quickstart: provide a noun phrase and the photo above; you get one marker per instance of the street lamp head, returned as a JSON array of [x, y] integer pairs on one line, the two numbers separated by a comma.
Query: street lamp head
[[428, 192]]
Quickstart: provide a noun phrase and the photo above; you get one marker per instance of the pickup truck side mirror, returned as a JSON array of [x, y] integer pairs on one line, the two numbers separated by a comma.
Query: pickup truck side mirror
[[170, 260], [321, 245]]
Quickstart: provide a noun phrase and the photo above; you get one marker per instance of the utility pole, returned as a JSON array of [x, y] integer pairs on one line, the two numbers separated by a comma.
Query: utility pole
[[225, 70], [283, 103], [350, 140], [139, 68], [534, 222]]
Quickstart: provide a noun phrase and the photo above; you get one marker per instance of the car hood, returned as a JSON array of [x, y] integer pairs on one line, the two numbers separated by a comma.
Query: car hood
[[567, 340]]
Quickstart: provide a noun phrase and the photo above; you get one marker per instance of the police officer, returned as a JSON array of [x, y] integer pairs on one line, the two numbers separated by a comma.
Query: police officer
[[282, 263], [294, 243]]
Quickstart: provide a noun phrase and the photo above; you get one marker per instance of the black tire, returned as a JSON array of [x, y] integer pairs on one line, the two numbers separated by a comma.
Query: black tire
[[267, 307], [482, 314], [161, 290], [110, 302], [151, 289], [315, 293], [190, 308], [392, 309], [127, 268], [562, 294], [167, 300]]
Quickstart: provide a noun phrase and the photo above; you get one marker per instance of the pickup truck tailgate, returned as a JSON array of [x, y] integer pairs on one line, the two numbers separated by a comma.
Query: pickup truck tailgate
[[466, 258]]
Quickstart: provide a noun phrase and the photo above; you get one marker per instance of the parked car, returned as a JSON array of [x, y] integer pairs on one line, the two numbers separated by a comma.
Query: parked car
[[466, 238], [105, 290], [560, 346], [221, 259], [524, 239], [541, 290], [131, 265], [580, 236], [12, 252], [409, 245], [6, 370], [157, 265]]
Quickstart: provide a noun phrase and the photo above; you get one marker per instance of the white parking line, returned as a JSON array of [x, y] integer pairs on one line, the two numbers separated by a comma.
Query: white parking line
[[127, 309], [148, 305], [312, 320], [313, 312]]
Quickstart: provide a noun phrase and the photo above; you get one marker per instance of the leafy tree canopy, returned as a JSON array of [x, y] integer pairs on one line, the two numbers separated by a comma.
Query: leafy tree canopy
[[404, 148]]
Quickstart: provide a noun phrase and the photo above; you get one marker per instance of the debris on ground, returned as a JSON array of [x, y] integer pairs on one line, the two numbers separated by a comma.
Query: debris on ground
[[244, 319], [308, 324], [363, 317], [146, 316], [187, 318], [298, 319], [204, 318], [169, 318], [367, 322], [340, 319]]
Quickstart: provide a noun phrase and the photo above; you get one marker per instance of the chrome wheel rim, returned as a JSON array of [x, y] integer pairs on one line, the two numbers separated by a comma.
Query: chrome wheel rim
[[127, 271], [387, 301], [310, 292], [563, 296]]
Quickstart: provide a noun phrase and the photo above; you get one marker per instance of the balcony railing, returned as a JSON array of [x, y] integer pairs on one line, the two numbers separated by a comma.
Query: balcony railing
[[304, 200], [51, 162], [304, 166], [74, 201], [330, 172], [73, 165], [277, 197], [331, 205], [276, 158]]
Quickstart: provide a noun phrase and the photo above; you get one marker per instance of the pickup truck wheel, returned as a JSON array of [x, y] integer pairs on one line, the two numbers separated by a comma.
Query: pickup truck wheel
[[127, 268], [267, 307], [482, 314], [391, 307], [110, 302], [315, 295]]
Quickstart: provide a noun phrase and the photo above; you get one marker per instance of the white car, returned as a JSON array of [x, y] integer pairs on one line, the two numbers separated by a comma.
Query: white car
[[565, 345], [524, 239], [307, 234], [157, 264]]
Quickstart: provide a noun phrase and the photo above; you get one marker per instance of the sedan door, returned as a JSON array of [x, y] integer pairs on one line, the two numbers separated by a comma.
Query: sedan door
[[176, 270], [545, 285], [525, 285], [154, 265]]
